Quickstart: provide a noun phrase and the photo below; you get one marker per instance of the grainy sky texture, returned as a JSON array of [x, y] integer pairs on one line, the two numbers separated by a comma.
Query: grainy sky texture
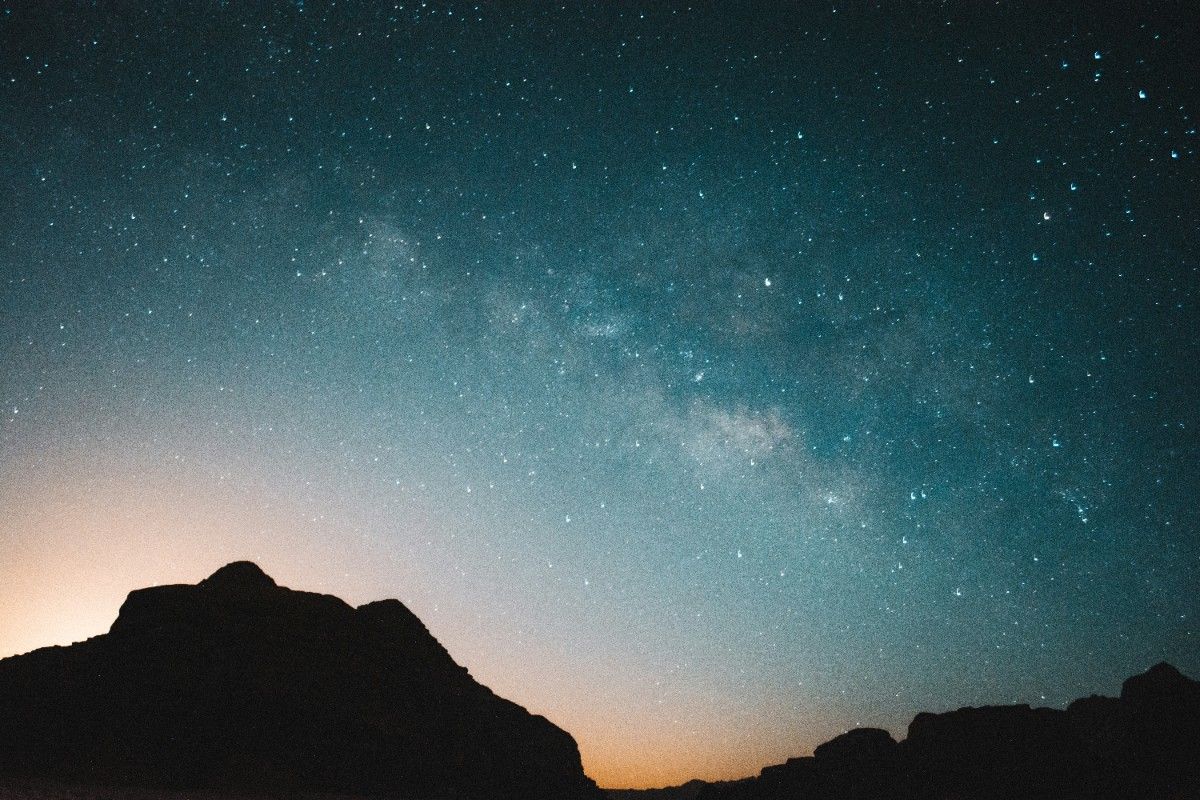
[[710, 378]]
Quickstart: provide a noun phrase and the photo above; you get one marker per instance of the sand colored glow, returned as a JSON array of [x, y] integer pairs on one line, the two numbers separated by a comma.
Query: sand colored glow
[[128, 529]]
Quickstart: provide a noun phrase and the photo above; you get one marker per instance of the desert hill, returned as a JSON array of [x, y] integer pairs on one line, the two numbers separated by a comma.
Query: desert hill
[[237, 684]]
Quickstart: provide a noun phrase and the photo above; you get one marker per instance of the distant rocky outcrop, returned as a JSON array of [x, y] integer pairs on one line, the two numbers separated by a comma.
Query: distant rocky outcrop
[[1144, 745], [239, 684], [686, 791]]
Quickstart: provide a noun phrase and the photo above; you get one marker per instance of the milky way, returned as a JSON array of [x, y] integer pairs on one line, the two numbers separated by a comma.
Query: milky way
[[708, 380]]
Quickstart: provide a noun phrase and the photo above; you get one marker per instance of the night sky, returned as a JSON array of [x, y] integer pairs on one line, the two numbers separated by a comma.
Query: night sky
[[709, 379]]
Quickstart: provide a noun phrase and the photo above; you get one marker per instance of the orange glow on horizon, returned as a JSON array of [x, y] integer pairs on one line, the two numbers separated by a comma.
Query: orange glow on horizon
[[75, 548]]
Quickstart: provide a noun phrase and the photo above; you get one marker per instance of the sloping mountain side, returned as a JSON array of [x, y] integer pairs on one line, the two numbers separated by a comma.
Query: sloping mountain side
[[1143, 745], [237, 684]]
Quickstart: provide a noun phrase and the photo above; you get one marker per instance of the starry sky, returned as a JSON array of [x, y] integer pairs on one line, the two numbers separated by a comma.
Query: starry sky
[[710, 378]]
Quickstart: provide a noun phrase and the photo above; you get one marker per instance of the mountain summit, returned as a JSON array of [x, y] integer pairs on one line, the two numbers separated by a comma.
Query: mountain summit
[[239, 575], [237, 683]]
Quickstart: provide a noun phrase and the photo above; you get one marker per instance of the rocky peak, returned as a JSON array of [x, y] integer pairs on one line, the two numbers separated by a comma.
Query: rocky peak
[[238, 684], [235, 588], [239, 576], [1162, 682]]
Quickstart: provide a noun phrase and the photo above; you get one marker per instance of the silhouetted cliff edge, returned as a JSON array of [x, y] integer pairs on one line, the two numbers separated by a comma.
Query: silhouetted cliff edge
[[1143, 745], [239, 684]]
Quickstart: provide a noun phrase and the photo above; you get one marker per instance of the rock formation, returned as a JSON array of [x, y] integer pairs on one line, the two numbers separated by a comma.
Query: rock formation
[[1144, 744], [239, 684]]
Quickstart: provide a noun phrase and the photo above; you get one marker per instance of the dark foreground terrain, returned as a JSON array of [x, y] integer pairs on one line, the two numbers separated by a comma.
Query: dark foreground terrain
[[239, 689], [239, 685], [1142, 745], [49, 790]]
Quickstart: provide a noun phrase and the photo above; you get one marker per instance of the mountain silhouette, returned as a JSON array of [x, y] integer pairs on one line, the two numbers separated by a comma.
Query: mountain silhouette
[[240, 684], [1143, 745]]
